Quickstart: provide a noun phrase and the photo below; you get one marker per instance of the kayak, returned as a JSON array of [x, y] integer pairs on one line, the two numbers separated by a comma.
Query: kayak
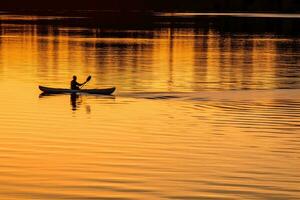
[[104, 91]]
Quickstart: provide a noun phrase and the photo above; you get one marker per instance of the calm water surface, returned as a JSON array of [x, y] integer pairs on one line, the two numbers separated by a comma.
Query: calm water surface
[[199, 113]]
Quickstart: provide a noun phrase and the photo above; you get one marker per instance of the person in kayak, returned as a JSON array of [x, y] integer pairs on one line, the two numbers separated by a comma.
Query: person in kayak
[[75, 85]]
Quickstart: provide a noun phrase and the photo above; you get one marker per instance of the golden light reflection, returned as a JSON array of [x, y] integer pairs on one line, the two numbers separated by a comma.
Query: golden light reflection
[[168, 60], [156, 144]]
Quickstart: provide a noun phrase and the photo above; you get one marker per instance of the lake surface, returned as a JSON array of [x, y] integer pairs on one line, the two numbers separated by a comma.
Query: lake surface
[[206, 107]]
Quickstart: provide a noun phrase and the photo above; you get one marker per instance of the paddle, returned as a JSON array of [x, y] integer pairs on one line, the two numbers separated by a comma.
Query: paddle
[[87, 80]]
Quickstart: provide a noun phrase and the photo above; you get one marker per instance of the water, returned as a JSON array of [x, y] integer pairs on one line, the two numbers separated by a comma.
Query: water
[[199, 112]]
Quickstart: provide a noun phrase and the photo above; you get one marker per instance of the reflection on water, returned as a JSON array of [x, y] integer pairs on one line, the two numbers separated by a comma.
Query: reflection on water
[[171, 59], [78, 99], [75, 102], [201, 112]]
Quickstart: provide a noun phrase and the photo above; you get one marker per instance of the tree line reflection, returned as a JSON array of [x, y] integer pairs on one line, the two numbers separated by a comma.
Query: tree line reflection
[[166, 58]]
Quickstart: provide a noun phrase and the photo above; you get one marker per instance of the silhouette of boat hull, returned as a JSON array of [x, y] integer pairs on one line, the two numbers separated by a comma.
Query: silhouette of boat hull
[[104, 91]]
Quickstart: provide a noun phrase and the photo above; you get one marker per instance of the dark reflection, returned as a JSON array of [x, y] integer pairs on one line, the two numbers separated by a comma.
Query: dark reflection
[[287, 64], [208, 53], [75, 101], [112, 20], [43, 95]]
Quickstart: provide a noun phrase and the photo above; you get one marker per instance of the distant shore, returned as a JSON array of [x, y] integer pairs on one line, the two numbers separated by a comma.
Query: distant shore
[[273, 6], [280, 24]]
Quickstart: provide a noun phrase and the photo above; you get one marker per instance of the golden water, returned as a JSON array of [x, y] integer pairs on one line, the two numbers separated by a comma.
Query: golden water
[[196, 115]]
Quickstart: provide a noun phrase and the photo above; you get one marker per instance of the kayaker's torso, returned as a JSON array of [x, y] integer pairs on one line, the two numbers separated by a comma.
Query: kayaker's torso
[[75, 85]]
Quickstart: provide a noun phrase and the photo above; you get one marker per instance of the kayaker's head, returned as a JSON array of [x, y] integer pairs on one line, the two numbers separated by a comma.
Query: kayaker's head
[[74, 78]]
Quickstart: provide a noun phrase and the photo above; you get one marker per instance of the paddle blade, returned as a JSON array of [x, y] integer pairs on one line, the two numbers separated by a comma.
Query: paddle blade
[[88, 78]]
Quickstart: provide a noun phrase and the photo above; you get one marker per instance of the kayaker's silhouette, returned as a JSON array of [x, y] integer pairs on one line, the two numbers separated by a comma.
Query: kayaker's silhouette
[[75, 85], [77, 88]]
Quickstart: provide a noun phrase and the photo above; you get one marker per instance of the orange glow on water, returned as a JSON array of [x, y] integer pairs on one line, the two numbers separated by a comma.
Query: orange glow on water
[[187, 121]]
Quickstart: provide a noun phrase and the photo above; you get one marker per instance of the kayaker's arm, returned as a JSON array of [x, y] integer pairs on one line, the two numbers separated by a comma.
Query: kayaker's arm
[[75, 85], [80, 84]]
